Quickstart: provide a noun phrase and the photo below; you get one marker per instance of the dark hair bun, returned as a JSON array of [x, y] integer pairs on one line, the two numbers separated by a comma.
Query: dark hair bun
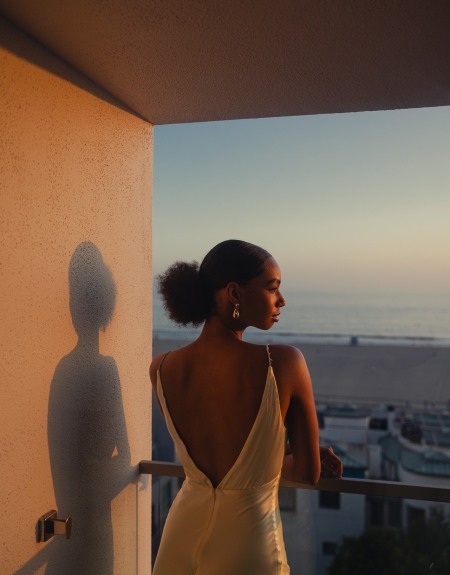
[[182, 294], [188, 291]]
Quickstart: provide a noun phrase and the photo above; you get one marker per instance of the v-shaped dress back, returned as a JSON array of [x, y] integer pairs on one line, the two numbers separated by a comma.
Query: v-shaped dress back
[[234, 528]]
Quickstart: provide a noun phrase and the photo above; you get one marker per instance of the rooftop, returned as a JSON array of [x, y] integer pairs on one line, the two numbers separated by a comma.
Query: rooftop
[[345, 410], [434, 418], [427, 462], [440, 437]]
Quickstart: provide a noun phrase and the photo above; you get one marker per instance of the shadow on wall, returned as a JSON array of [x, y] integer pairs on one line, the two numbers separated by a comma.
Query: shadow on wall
[[87, 437]]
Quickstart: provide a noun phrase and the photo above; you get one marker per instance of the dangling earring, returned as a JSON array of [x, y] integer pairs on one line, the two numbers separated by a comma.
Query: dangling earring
[[236, 311]]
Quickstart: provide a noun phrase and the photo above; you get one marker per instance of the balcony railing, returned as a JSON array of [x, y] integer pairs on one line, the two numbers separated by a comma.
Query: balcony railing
[[335, 523], [343, 485]]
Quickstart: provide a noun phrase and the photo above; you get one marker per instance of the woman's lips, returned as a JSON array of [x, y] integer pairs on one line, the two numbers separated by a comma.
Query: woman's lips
[[275, 317]]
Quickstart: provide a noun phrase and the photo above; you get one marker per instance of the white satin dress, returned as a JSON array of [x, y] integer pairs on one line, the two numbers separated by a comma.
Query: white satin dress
[[235, 528]]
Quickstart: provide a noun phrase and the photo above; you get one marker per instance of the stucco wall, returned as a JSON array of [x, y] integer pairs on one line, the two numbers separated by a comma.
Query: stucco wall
[[75, 413]]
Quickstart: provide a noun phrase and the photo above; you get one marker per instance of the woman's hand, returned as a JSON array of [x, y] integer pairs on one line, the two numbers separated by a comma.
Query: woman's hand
[[330, 464]]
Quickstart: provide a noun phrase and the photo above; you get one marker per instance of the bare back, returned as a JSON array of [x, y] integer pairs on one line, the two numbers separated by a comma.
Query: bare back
[[214, 392]]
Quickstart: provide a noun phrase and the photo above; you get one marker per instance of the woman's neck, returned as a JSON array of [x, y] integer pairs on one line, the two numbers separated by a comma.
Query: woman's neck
[[88, 341], [218, 328]]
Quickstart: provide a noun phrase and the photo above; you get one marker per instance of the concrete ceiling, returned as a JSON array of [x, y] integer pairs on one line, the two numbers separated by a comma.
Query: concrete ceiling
[[197, 60]]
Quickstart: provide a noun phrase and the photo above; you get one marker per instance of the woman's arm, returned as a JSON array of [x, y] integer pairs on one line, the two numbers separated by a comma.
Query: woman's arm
[[302, 464], [330, 464]]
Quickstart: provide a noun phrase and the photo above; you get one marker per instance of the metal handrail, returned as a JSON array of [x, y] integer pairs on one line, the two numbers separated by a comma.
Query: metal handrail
[[343, 485]]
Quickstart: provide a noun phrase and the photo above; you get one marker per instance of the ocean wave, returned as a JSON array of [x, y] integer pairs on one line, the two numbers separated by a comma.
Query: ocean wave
[[313, 338]]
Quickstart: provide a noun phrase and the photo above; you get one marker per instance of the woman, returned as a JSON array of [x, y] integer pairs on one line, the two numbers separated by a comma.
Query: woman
[[226, 403]]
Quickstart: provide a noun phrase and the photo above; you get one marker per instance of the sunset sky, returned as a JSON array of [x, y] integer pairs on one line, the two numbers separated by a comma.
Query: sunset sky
[[346, 203]]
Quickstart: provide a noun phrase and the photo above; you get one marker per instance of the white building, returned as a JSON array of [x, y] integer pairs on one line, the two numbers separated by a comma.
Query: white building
[[315, 522], [411, 460]]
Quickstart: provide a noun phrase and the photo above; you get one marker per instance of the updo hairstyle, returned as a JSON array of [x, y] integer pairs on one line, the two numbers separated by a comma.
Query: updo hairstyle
[[92, 290], [188, 290]]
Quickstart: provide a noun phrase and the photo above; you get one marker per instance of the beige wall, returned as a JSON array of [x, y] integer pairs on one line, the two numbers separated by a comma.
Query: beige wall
[[76, 167]]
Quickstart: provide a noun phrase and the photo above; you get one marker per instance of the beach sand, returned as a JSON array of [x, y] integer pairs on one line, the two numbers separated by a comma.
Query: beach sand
[[370, 374]]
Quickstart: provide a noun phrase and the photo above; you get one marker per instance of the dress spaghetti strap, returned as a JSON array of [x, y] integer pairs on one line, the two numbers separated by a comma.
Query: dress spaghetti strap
[[268, 355], [162, 360]]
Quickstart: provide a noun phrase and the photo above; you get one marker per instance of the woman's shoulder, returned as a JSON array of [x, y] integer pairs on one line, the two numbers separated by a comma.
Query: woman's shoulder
[[287, 355], [154, 366], [158, 360], [289, 366]]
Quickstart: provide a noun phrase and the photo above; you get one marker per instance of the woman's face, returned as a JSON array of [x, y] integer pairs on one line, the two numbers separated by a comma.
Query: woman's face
[[261, 300]]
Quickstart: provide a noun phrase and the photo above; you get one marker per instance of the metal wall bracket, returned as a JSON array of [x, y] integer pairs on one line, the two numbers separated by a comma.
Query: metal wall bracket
[[50, 525]]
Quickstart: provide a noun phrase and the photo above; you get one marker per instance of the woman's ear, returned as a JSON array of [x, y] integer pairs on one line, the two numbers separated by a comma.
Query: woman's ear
[[233, 292]]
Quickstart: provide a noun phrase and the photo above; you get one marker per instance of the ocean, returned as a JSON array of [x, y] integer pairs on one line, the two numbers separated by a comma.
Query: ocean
[[400, 319]]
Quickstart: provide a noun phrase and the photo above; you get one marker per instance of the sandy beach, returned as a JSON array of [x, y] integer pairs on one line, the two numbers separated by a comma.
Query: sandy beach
[[370, 374]]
